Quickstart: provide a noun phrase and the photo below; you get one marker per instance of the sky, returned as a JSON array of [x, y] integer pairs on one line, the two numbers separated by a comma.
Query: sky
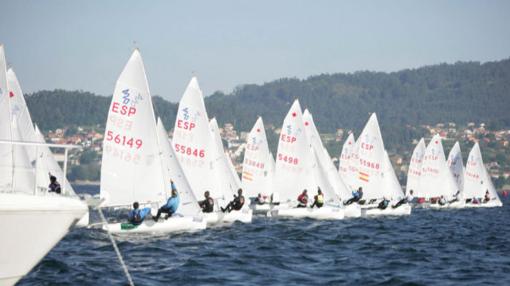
[[83, 45]]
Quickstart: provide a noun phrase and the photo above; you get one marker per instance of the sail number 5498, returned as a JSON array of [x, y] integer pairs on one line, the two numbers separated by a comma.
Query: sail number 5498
[[189, 151], [124, 140], [288, 159]]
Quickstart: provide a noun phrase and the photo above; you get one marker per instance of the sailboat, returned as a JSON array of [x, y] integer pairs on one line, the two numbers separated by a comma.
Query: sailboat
[[227, 177], [41, 156], [134, 163], [436, 178], [197, 151], [414, 170], [456, 165], [258, 167], [375, 173], [477, 182], [344, 162], [296, 169], [339, 190], [32, 223]]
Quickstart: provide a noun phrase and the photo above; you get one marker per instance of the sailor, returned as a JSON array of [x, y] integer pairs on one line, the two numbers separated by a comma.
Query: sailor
[[383, 204], [260, 200], [487, 197], [441, 201], [236, 204], [356, 196], [54, 185], [408, 199], [475, 201], [303, 199], [318, 199], [171, 205], [136, 215], [207, 205], [455, 197]]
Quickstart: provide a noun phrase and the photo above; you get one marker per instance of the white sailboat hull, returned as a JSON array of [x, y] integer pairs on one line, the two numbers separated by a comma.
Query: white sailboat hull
[[170, 225], [454, 205], [324, 213], [31, 226], [404, 209], [261, 209], [491, 204], [352, 211], [244, 216]]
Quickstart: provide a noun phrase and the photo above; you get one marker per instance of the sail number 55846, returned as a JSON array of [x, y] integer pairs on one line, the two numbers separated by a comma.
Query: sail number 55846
[[189, 151], [124, 140]]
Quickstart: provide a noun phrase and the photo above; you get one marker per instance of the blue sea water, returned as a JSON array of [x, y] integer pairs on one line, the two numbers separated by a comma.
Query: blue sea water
[[445, 247]]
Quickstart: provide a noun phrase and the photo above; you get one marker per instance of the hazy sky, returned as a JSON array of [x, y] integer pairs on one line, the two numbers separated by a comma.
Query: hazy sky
[[85, 44]]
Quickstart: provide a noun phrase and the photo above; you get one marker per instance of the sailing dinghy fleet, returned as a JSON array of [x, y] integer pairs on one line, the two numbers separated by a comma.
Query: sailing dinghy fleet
[[142, 164]]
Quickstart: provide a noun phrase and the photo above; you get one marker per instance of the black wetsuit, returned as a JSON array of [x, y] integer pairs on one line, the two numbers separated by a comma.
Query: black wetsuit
[[236, 204], [207, 205], [55, 187]]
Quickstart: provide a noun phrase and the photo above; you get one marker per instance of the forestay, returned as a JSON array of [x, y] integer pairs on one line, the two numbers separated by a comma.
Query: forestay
[[193, 142], [131, 165], [258, 164], [456, 165], [476, 179], [436, 179], [293, 160], [173, 171], [414, 171]]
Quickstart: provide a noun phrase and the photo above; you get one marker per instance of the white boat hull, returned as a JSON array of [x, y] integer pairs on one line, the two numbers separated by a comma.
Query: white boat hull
[[454, 205], [244, 216], [352, 211], [258, 209], [491, 204], [170, 225], [31, 226], [324, 213], [404, 209]]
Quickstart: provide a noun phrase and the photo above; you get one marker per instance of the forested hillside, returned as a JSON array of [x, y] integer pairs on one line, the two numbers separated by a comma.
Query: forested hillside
[[460, 93]]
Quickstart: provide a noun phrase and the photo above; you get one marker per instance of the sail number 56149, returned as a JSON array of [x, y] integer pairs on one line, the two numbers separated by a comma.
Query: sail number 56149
[[124, 140]]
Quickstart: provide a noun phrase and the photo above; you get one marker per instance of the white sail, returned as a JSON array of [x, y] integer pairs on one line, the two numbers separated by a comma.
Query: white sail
[[392, 189], [294, 159], [436, 179], [476, 178], [173, 171], [414, 170], [456, 165], [193, 143], [17, 173], [346, 174], [131, 165], [321, 180], [371, 160], [48, 164], [258, 164], [233, 171], [324, 159], [227, 182]]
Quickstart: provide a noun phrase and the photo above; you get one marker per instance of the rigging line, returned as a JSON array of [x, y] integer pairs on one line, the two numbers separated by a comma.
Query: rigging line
[[116, 248]]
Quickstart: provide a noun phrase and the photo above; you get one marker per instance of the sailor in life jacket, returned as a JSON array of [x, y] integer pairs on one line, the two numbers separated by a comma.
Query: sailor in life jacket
[[136, 215], [207, 205], [318, 199], [303, 199], [54, 185]]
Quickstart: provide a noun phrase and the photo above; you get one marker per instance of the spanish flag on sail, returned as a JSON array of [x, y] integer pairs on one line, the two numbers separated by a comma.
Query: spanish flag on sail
[[363, 176], [247, 176]]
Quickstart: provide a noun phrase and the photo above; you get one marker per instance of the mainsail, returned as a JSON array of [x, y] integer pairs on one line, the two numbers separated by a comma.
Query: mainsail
[[131, 165], [436, 179], [294, 159], [414, 170], [258, 164]]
